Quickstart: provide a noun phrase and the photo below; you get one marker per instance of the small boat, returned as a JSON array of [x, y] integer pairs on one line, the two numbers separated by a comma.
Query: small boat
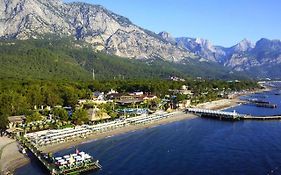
[[22, 150]]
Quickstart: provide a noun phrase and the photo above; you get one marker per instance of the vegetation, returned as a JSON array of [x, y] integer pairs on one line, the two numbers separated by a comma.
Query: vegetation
[[61, 113], [66, 59], [19, 97], [80, 116], [58, 71]]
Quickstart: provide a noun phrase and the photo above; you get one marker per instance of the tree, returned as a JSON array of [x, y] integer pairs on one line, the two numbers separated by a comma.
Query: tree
[[70, 96], [80, 116], [113, 114], [13, 103], [61, 113], [34, 95], [36, 116], [3, 123], [51, 97]]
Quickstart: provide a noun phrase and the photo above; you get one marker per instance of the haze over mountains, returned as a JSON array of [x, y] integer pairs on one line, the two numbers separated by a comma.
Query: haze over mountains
[[117, 35]]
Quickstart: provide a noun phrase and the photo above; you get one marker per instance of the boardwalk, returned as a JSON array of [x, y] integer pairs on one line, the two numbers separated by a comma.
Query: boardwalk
[[248, 117], [215, 114], [222, 115]]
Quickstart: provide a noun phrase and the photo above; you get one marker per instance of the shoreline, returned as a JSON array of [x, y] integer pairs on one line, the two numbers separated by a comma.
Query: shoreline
[[14, 159], [127, 129], [17, 160], [224, 103], [11, 158]]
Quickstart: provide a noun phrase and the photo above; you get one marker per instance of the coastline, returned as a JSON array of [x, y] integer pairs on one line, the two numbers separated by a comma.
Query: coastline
[[14, 159], [223, 104], [11, 158], [177, 117]]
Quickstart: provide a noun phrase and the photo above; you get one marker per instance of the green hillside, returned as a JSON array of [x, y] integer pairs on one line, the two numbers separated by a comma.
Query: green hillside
[[63, 58]]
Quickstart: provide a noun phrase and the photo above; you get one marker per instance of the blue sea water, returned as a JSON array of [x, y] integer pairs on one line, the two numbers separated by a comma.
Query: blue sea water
[[198, 146], [260, 111]]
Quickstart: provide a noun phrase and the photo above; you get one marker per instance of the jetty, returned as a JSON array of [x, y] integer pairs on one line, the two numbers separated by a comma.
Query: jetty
[[249, 117], [266, 105], [223, 115], [75, 164], [215, 114], [261, 103]]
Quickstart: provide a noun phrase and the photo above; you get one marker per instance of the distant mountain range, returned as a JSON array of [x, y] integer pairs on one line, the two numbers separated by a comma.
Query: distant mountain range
[[260, 59], [106, 31]]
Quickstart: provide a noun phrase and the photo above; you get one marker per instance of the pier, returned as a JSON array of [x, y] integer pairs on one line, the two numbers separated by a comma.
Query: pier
[[215, 114], [222, 115], [249, 117], [261, 103], [49, 163]]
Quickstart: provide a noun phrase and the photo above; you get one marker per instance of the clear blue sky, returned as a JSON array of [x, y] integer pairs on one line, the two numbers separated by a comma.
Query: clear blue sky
[[223, 22]]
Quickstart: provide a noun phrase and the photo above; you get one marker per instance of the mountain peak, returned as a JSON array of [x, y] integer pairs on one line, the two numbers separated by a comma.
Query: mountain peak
[[244, 45], [97, 26], [167, 36], [204, 43], [266, 44]]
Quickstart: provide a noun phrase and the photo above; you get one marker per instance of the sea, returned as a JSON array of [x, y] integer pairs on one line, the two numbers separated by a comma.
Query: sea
[[197, 146]]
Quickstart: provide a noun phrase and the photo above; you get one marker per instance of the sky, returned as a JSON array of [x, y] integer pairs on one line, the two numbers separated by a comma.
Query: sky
[[223, 22]]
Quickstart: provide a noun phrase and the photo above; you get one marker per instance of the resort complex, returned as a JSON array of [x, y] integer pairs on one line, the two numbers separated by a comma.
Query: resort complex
[[48, 137], [47, 128]]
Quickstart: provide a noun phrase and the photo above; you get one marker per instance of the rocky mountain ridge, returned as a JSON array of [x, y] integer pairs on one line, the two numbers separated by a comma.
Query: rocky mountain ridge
[[117, 35], [103, 29], [244, 56]]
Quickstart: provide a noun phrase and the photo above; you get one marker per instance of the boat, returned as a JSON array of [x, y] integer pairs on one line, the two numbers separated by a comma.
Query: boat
[[22, 150]]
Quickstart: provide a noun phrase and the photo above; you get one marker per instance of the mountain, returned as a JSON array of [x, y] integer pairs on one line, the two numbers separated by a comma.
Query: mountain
[[263, 55], [258, 59], [167, 37], [55, 58], [103, 29], [243, 46], [110, 33], [200, 47]]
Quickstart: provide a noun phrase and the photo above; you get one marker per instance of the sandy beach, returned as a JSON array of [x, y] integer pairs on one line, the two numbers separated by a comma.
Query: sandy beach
[[222, 104], [11, 158], [177, 117]]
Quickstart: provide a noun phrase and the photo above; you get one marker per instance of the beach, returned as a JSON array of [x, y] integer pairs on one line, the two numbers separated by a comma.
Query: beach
[[12, 158], [219, 104], [177, 117], [223, 104]]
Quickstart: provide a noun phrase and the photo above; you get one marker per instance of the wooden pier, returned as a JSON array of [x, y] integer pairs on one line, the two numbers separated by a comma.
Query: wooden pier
[[222, 115], [52, 168], [249, 117]]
